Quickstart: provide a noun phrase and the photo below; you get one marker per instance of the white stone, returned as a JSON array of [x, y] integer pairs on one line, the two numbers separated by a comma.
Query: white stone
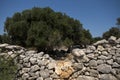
[[78, 52], [3, 45], [33, 60]]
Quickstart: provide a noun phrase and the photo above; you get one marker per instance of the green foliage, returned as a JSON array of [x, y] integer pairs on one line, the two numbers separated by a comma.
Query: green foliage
[[114, 31], [95, 39], [7, 69], [4, 38], [45, 29]]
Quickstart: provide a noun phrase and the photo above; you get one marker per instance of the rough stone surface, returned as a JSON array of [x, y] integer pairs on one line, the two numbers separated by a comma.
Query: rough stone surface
[[104, 68], [100, 61]]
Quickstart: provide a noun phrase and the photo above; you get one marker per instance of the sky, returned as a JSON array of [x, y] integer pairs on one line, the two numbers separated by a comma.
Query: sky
[[96, 15]]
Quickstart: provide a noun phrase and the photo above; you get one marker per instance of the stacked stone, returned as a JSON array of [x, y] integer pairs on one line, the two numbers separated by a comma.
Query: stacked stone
[[11, 51], [100, 61]]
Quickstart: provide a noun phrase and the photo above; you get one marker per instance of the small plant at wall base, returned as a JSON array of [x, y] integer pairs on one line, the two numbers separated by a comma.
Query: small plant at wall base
[[7, 69]]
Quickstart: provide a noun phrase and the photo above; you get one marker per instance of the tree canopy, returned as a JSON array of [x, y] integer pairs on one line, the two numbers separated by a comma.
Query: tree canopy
[[44, 28]]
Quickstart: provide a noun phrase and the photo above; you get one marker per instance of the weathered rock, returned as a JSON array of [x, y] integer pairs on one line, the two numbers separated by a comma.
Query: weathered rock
[[115, 65], [78, 52], [39, 78], [3, 45], [100, 48], [33, 60], [112, 39], [25, 76], [51, 65], [94, 73], [100, 62], [101, 42], [25, 70], [93, 63], [110, 62], [118, 60], [104, 68], [107, 77], [78, 66], [118, 40], [63, 69], [85, 78], [35, 68], [91, 56], [44, 73], [54, 75]]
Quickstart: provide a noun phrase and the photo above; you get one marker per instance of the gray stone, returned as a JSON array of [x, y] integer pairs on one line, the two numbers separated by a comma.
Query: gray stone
[[35, 68], [26, 59], [44, 73], [13, 55], [93, 63], [25, 70], [101, 42], [39, 78], [87, 73], [33, 60], [118, 60], [88, 51], [78, 66], [10, 53], [110, 62], [51, 65], [3, 45], [22, 56], [102, 57], [100, 48], [90, 56], [85, 78], [27, 64], [13, 47], [42, 62], [31, 52], [94, 73], [118, 40], [118, 76], [115, 65], [105, 53], [48, 79], [92, 48], [46, 56], [78, 52], [107, 77], [25, 76], [54, 75], [112, 39], [104, 68]]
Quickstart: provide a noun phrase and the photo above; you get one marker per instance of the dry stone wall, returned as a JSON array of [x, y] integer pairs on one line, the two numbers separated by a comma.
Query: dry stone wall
[[100, 61]]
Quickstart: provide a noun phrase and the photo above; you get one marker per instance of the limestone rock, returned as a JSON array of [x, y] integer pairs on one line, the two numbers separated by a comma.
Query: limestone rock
[[101, 42], [85, 78], [93, 63], [33, 60], [35, 68], [104, 68], [3, 45], [78, 52], [44, 73], [63, 69], [25, 76], [112, 39], [107, 77]]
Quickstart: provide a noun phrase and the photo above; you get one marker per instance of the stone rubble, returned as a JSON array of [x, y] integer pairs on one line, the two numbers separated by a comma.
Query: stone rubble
[[100, 61]]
